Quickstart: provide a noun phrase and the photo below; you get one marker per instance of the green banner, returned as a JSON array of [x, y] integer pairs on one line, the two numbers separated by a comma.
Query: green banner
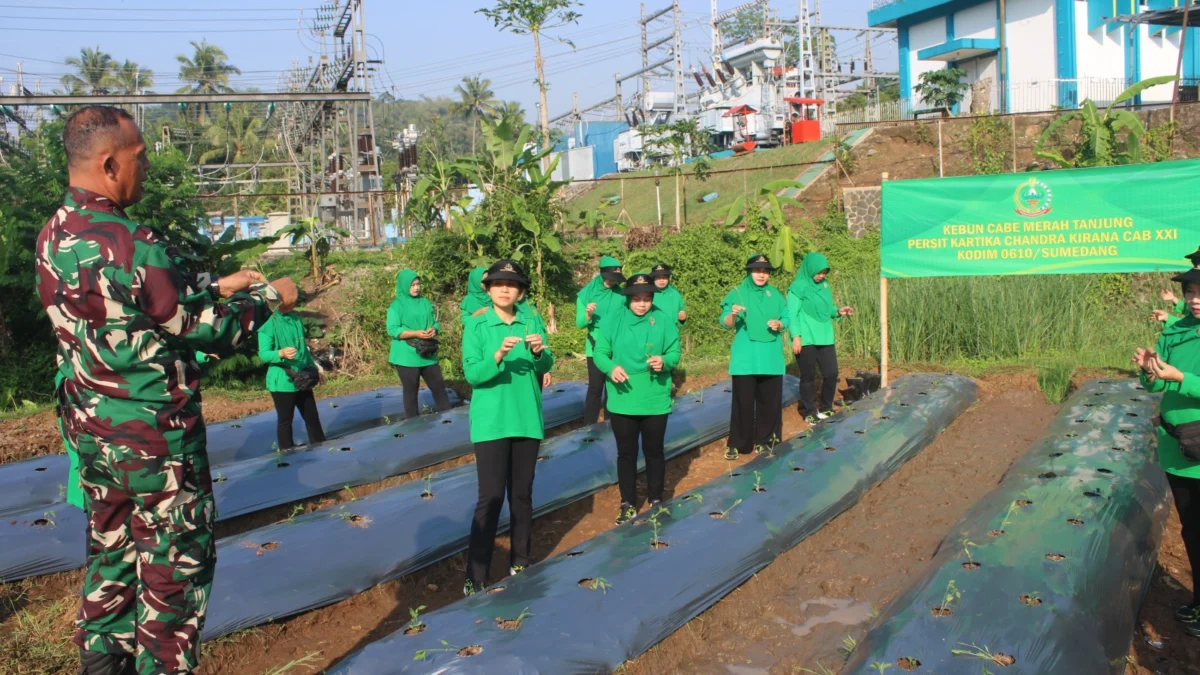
[[1141, 218]]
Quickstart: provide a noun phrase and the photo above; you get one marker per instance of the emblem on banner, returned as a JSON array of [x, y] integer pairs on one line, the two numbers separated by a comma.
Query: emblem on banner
[[1032, 198]]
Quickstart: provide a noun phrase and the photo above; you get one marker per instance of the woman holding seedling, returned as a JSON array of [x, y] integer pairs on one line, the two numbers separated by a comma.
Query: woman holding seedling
[[292, 375], [637, 349], [812, 312], [414, 327], [504, 357], [756, 311], [668, 298], [595, 304], [1174, 369]]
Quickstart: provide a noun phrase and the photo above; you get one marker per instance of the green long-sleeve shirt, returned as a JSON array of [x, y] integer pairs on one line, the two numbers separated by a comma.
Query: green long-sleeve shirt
[[1180, 347], [506, 398], [279, 332], [608, 303], [628, 344], [748, 357], [810, 330], [402, 353]]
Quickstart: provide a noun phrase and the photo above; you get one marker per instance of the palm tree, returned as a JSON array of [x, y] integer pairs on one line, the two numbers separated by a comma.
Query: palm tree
[[208, 72], [510, 111], [237, 138], [477, 99], [130, 78], [94, 72]]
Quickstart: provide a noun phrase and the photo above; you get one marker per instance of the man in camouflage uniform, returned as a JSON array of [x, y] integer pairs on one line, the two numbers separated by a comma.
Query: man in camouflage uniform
[[128, 320]]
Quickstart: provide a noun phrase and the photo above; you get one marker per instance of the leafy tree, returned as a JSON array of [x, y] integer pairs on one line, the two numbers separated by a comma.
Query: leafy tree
[[533, 17], [1110, 138], [239, 137], [942, 88], [433, 195], [130, 78], [320, 239], [511, 112], [93, 72], [476, 100], [744, 26], [208, 72], [679, 141]]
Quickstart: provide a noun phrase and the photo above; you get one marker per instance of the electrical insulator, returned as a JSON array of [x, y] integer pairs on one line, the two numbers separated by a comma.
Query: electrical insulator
[[227, 106], [852, 66]]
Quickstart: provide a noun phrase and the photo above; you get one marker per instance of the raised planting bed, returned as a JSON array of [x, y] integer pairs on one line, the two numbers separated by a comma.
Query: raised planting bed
[[42, 541], [618, 594], [41, 481], [330, 555], [1045, 574]]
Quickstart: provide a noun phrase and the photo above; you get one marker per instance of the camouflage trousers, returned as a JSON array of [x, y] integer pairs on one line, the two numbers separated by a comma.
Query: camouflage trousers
[[150, 557]]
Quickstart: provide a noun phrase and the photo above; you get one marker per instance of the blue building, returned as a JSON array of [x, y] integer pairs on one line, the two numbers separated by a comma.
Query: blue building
[[588, 153], [1058, 52]]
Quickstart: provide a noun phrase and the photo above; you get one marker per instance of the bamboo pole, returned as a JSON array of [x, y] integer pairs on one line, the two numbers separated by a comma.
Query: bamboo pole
[[883, 303]]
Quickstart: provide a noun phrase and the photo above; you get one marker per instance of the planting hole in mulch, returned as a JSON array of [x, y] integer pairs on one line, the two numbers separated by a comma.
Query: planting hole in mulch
[[236, 426], [717, 514], [447, 421], [426, 495], [905, 405], [1056, 454], [939, 612], [860, 432], [496, 589], [572, 554], [995, 533], [798, 469], [728, 390], [921, 393], [1080, 421], [1003, 660], [1048, 474], [558, 391], [1091, 493], [269, 546], [1124, 432], [972, 565], [356, 520], [907, 663], [588, 583], [656, 545], [736, 474], [1103, 470], [219, 479], [1074, 521], [282, 465], [1071, 435], [413, 630], [40, 468], [333, 405], [378, 395], [884, 417], [345, 449], [472, 650], [508, 624], [1137, 398], [397, 435], [41, 522], [1116, 449], [760, 489], [830, 448], [1131, 414], [1056, 557], [1024, 502], [1030, 600], [590, 439]]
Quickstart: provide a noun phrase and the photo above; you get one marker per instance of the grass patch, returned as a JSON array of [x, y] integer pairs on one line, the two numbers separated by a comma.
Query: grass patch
[[37, 639], [1054, 380]]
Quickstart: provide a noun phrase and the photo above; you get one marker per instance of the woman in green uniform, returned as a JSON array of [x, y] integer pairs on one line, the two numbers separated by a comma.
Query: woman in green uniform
[[477, 300], [812, 313], [757, 312], [637, 349], [414, 327], [504, 357], [668, 298], [292, 375], [1174, 369], [594, 304]]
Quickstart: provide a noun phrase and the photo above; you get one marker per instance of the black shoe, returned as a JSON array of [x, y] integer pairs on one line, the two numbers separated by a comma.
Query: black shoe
[[731, 454], [1188, 614], [1192, 629], [626, 514], [100, 663], [654, 504]]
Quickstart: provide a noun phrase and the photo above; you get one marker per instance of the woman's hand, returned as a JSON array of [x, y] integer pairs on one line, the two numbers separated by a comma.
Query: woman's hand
[[287, 353], [796, 345], [846, 311], [591, 308], [547, 380], [506, 347], [534, 342], [428, 333], [775, 325], [1159, 315], [479, 311], [213, 357], [619, 375], [682, 317], [655, 363], [736, 310], [1164, 371], [1168, 296]]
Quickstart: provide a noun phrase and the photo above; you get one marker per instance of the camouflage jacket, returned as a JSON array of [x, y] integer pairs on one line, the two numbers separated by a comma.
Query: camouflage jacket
[[128, 321]]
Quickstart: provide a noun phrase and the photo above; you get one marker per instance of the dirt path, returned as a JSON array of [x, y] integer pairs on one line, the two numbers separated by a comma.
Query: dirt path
[[797, 611]]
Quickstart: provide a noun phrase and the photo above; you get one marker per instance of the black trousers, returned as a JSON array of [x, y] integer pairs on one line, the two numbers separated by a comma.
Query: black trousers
[[595, 393], [504, 465], [756, 416], [286, 404], [1186, 492], [811, 359], [411, 378], [653, 430]]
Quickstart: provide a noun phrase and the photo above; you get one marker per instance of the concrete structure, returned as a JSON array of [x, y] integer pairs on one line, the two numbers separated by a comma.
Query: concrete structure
[[1058, 52]]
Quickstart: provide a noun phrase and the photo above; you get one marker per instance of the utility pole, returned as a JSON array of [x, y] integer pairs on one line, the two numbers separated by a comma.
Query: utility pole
[[805, 66], [645, 57], [716, 35], [868, 62], [680, 93]]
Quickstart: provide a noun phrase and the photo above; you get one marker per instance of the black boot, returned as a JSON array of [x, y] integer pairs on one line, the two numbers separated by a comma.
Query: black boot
[[100, 663]]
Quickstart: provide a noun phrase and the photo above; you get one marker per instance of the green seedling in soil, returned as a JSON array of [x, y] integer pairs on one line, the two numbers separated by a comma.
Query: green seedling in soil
[[724, 513], [948, 598], [219, 477], [1012, 508], [975, 651], [296, 510], [1032, 598], [758, 482], [62, 491], [880, 666], [657, 527], [423, 654], [849, 644], [353, 497], [967, 545], [49, 517], [427, 493], [306, 661], [415, 624], [599, 584], [822, 670], [874, 613], [387, 420], [513, 624]]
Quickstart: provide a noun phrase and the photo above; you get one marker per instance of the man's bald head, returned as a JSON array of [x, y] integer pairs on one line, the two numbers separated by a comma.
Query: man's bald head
[[105, 153]]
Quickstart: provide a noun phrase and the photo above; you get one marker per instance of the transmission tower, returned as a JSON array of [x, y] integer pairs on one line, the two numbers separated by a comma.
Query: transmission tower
[[805, 66]]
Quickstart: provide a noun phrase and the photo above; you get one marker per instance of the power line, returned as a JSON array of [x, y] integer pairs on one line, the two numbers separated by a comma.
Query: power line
[[123, 19], [127, 10], [107, 31]]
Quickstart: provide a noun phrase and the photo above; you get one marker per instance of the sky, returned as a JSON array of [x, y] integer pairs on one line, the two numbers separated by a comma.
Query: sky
[[427, 46]]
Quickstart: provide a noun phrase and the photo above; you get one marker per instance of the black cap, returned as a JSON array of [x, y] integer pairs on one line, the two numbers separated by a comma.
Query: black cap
[[660, 270], [612, 274], [1194, 257], [1191, 276], [506, 270], [758, 261], [640, 283]]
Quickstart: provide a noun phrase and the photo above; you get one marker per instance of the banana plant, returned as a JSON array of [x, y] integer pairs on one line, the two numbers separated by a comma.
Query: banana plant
[[320, 240], [769, 207], [1098, 142], [433, 195], [597, 219]]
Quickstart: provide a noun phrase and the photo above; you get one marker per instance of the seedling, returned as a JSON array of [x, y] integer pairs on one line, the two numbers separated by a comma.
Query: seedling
[[880, 666], [415, 624], [823, 670], [657, 527], [758, 482], [598, 584], [427, 493], [952, 594], [387, 420], [1012, 508], [826, 446], [1032, 598], [296, 510], [513, 624], [62, 491], [219, 478], [967, 545], [849, 644], [722, 514], [423, 654], [353, 497], [344, 514], [984, 653], [49, 517]]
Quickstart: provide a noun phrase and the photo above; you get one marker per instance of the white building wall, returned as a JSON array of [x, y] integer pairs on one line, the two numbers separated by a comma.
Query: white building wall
[[976, 22], [922, 36], [1099, 60], [1032, 54], [1160, 55]]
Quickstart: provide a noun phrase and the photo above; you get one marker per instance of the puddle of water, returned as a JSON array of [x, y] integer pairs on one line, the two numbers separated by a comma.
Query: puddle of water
[[842, 611]]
